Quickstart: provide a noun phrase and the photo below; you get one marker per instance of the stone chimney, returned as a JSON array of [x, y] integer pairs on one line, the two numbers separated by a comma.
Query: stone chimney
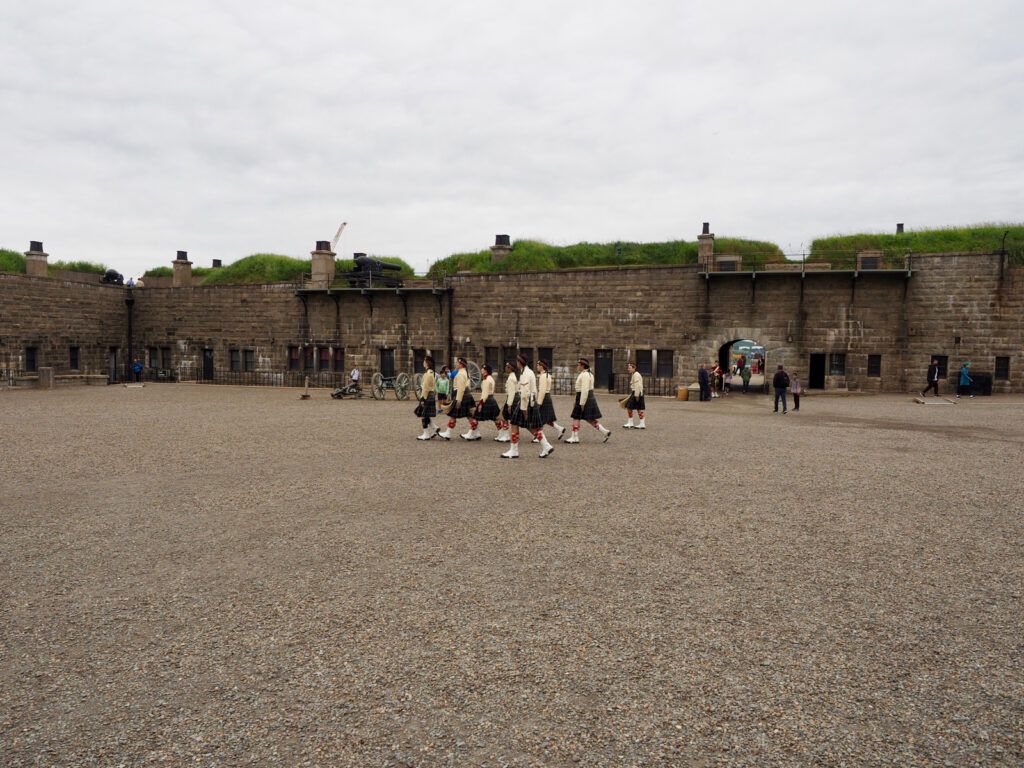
[[182, 271], [899, 228], [706, 248], [217, 264], [35, 260], [323, 265], [502, 247]]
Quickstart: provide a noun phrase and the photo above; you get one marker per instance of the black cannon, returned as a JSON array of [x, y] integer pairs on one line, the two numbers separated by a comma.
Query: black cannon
[[113, 277], [371, 273]]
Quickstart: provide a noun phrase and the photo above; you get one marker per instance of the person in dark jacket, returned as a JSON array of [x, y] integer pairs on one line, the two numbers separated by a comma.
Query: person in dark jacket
[[933, 378], [780, 383], [704, 382]]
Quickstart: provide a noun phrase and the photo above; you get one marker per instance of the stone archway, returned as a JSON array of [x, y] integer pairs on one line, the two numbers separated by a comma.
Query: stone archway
[[744, 345]]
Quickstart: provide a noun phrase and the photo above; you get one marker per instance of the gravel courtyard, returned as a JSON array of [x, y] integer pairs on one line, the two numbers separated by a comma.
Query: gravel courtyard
[[220, 576]]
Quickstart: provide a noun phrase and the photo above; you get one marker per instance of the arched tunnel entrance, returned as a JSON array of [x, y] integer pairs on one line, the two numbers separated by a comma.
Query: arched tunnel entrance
[[737, 354]]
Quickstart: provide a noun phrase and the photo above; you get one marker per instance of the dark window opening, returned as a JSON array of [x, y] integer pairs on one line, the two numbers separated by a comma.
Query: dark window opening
[[1002, 369], [339, 360], [666, 368], [324, 355], [73, 358], [943, 361], [31, 361], [153, 357], [546, 353], [293, 358], [527, 352], [726, 266], [492, 359], [165, 358], [870, 262], [874, 365], [644, 362], [236, 360], [307, 358], [387, 363], [508, 354], [837, 364], [249, 360]]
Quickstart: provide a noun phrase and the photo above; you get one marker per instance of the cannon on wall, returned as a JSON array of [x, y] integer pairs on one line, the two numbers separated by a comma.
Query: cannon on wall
[[370, 273]]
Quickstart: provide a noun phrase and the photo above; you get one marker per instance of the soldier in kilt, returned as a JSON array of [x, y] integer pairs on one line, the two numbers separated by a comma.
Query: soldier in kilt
[[487, 408], [586, 408], [547, 407], [527, 414], [511, 387], [462, 400], [636, 398], [428, 400]]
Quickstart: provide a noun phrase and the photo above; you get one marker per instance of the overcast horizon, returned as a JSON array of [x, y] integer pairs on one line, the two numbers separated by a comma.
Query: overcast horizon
[[226, 129]]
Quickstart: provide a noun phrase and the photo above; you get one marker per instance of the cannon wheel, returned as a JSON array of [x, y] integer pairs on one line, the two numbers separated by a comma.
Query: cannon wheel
[[377, 386], [418, 383], [475, 377], [402, 386]]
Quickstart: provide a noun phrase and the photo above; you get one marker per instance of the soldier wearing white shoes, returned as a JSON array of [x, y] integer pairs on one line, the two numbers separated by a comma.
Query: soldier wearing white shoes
[[462, 401], [586, 408], [505, 424], [526, 412], [544, 392], [428, 400], [487, 408], [636, 398]]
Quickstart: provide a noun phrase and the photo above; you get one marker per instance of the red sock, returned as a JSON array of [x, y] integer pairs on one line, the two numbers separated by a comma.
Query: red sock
[[641, 414], [515, 438], [473, 423], [451, 423], [630, 413]]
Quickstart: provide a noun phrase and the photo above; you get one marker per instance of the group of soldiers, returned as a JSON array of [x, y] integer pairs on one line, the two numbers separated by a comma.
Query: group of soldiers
[[527, 404]]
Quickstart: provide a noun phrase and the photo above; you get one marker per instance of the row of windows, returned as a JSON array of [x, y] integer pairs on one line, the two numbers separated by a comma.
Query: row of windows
[[302, 359], [837, 366], [647, 360]]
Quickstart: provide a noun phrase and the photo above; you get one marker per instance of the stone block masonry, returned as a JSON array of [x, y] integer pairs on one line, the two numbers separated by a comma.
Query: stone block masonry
[[876, 330]]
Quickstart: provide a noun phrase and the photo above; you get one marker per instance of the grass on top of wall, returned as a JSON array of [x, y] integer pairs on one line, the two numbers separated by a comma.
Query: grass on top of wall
[[11, 261], [983, 238], [534, 255], [78, 266]]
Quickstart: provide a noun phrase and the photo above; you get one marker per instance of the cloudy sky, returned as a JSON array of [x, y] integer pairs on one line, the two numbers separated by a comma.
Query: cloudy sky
[[131, 130]]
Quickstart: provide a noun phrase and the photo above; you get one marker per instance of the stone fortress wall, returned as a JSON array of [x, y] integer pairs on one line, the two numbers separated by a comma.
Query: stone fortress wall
[[964, 306]]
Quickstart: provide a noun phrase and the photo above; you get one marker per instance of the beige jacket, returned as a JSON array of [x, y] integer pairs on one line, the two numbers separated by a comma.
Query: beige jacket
[[429, 383], [461, 384], [636, 383], [527, 388], [510, 389]]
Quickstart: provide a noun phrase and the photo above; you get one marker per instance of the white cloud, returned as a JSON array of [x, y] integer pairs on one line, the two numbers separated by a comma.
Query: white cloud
[[226, 128]]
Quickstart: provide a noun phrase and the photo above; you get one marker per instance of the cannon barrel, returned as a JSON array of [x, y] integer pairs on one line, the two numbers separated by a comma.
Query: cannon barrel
[[373, 265]]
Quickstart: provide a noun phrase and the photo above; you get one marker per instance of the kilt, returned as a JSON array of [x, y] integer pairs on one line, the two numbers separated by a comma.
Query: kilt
[[636, 403], [430, 407], [507, 410], [547, 410], [465, 411], [528, 419], [488, 409], [588, 411]]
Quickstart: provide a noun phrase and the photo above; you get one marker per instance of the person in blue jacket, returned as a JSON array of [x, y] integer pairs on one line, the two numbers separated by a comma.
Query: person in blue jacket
[[965, 380]]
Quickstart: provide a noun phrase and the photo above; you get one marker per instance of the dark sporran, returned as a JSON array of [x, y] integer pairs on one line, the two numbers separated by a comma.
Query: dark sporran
[[418, 410]]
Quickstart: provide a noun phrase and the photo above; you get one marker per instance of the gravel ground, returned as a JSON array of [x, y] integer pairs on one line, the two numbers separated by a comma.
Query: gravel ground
[[221, 576]]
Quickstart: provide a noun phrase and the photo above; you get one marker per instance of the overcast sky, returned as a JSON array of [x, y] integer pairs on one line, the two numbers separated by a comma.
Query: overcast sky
[[131, 130]]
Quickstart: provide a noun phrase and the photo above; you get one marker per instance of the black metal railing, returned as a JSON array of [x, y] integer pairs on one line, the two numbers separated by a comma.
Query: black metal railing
[[619, 384], [830, 262], [329, 379]]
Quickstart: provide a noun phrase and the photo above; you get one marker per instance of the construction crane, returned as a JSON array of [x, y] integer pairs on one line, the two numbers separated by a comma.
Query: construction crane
[[337, 236]]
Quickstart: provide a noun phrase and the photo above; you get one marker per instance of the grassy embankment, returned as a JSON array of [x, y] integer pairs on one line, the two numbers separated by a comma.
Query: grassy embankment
[[534, 255], [267, 268], [985, 238]]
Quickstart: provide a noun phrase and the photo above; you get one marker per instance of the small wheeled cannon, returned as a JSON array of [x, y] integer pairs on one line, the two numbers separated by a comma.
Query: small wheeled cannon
[[352, 389], [373, 272], [380, 384]]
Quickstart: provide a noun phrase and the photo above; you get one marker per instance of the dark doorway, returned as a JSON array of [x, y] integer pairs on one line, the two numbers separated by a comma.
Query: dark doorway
[[208, 364], [112, 365], [816, 371], [744, 353], [387, 363], [603, 369]]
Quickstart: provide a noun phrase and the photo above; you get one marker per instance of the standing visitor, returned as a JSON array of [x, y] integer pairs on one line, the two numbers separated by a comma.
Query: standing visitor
[[727, 382], [965, 380], [745, 375], [796, 388], [932, 380], [462, 400], [505, 423], [544, 397], [702, 381], [586, 403], [428, 400], [443, 384], [780, 382], [636, 400]]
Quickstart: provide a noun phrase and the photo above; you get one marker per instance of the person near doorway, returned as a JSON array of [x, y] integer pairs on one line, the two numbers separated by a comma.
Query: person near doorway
[[965, 380], [511, 386], [716, 381], [463, 404], [137, 369], [704, 383], [544, 392], [933, 378], [428, 400], [745, 375], [727, 382], [636, 400], [780, 382], [796, 389], [586, 408]]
